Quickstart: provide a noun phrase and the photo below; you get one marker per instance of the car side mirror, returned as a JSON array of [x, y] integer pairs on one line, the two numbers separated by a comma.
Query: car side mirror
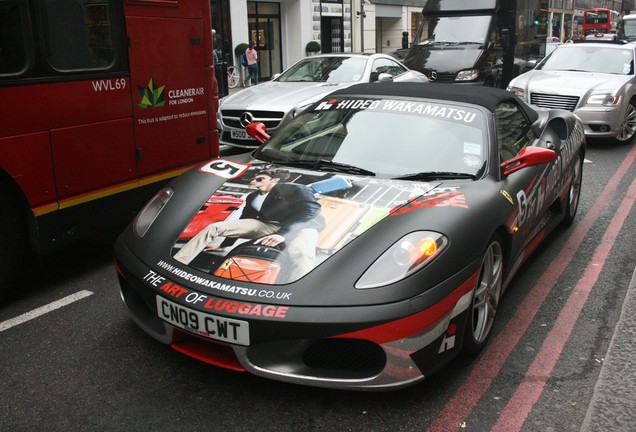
[[258, 131], [385, 77], [531, 64], [527, 157]]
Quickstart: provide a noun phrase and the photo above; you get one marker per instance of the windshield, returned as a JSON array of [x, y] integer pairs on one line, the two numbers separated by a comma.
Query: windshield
[[329, 69], [458, 31], [629, 28], [595, 59], [388, 138]]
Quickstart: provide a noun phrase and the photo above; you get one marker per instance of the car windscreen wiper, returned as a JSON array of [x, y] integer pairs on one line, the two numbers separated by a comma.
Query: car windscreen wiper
[[470, 43], [436, 175], [566, 70], [329, 165]]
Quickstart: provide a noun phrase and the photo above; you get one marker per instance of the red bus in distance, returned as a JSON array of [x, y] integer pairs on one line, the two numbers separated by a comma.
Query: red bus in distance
[[600, 20]]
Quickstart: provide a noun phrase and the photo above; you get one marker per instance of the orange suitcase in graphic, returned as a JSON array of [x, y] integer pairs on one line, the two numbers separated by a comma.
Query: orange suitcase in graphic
[[341, 217], [251, 263]]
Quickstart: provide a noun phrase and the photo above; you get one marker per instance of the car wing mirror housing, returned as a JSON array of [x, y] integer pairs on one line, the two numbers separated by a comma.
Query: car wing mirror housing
[[527, 157], [258, 131]]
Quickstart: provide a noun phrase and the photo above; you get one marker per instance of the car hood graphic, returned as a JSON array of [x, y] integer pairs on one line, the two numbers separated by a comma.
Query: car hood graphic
[[320, 213]]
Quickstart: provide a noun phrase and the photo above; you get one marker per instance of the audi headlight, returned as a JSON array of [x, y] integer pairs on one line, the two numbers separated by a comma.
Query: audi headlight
[[467, 75], [604, 99], [403, 258], [149, 213]]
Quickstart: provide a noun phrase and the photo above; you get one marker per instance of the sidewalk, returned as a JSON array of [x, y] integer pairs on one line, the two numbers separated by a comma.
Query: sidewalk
[[236, 89], [613, 404]]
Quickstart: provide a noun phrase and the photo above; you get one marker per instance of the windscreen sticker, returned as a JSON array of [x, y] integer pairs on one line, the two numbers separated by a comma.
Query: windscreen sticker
[[472, 149], [464, 115]]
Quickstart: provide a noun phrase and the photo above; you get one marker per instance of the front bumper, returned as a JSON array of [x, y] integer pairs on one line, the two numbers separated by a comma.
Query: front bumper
[[347, 347], [232, 121], [600, 122]]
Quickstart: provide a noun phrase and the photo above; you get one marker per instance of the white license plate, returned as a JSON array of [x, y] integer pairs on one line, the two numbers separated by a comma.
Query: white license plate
[[202, 324], [240, 134]]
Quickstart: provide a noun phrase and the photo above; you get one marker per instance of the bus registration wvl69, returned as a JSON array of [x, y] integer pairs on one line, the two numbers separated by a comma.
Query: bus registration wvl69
[[202, 324]]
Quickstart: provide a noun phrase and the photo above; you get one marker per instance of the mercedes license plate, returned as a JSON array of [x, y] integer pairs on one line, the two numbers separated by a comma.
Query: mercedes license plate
[[240, 134]]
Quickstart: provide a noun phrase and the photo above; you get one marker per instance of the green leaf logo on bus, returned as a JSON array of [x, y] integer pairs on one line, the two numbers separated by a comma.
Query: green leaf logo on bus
[[152, 96]]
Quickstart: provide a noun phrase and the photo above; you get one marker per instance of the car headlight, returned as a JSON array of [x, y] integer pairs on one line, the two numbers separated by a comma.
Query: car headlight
[[405, 257], [604, 99], [467, 75], [299, 109], [149, 213], [518, 91]]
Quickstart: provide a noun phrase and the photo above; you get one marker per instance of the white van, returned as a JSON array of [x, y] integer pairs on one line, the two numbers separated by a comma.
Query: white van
[[627, 28]]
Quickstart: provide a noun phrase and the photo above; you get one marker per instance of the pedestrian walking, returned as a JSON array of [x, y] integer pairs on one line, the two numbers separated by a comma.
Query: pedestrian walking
[[251, 57]]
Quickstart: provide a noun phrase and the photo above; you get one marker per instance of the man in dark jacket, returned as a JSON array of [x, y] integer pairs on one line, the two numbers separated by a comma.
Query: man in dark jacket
[[275, 213]]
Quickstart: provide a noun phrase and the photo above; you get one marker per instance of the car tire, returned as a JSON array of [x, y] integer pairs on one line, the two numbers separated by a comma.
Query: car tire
[[628, 125], [485, 299], [574, 194], [12, 240]]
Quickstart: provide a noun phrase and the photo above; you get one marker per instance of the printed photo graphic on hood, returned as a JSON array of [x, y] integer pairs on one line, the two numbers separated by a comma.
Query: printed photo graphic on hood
[[273, 225]]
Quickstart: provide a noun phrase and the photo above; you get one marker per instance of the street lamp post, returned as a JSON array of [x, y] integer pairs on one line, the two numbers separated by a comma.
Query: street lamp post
[[362, 15]]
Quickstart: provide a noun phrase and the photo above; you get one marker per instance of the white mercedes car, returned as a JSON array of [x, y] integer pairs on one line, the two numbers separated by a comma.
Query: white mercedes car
[[278, 101], [595, 80]]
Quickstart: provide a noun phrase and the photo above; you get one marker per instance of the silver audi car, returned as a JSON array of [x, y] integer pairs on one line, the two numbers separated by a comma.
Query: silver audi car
[[278, 101], [595, 80]]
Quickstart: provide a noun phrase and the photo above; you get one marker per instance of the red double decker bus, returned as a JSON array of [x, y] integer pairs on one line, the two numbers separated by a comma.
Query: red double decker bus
[[101, 102], [600, 20]]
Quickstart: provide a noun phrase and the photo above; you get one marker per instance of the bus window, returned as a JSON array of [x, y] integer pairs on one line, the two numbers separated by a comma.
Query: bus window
[[77, 35], [13, 37]]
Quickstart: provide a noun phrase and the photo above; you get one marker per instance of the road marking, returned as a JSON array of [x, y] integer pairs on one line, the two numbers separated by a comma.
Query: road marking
[[5, 325], [492, 359], [527, 394]]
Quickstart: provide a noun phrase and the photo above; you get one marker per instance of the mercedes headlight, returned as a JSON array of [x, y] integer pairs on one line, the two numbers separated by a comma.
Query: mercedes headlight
[[467, 75], [300, 108]]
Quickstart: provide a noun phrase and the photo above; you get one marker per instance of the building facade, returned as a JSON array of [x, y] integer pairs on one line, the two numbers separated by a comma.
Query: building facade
[[281, 29]]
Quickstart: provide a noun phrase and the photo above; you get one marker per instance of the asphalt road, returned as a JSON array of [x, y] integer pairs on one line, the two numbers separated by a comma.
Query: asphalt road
[[75, 361]]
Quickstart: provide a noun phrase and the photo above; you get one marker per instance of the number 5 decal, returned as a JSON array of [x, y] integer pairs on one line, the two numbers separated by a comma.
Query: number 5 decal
[[224, 168]]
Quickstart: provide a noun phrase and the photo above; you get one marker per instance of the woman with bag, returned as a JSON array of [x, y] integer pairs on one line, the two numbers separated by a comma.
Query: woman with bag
[[251, 58]]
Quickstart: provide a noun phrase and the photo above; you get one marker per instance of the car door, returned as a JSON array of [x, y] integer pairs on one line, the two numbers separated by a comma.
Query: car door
[[528, 188]]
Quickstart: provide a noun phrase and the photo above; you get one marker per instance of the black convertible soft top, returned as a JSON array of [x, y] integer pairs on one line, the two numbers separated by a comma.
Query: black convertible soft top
[[487, 97]]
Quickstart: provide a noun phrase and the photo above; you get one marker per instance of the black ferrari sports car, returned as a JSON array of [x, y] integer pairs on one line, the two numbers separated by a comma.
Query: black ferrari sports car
[[361, 247]]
